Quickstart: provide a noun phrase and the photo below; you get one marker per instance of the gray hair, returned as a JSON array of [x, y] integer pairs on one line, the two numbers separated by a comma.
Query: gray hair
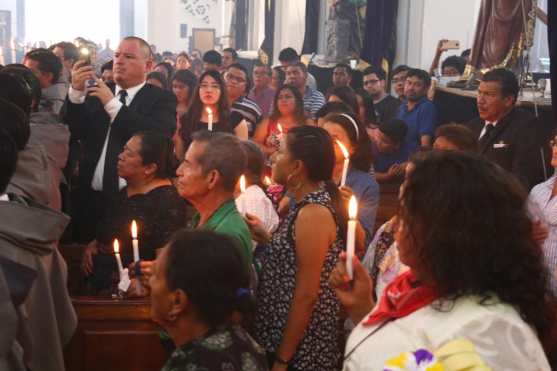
[[224, 153]]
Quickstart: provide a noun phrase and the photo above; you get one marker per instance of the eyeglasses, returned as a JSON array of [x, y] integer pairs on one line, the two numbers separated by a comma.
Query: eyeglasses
[[237, 79]]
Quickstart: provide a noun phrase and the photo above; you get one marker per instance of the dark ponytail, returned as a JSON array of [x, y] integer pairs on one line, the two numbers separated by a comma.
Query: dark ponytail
[[158, 149], [314, 147]]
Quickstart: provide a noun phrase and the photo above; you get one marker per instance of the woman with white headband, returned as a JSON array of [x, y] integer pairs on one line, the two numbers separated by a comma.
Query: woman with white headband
[[344, 128]]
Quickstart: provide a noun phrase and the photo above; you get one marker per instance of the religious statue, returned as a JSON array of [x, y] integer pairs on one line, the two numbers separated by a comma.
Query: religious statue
[[345, 29]]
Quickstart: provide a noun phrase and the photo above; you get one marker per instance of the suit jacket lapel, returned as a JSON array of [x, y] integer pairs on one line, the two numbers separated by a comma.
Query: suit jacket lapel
[[139, 98]]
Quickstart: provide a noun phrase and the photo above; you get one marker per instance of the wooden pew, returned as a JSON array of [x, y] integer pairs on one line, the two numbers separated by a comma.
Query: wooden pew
[[114, 335]]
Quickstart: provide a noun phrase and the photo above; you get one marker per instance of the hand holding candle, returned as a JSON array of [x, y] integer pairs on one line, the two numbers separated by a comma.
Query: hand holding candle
[[351, 235], [210, 119], [346, 162]]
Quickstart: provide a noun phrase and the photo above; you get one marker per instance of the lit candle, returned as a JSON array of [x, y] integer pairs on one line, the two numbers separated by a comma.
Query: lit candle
[[243, 183], [281, 132], [118, 260], [351, 235], [346, 162], [267, 181], [210, 118], [135, 242]]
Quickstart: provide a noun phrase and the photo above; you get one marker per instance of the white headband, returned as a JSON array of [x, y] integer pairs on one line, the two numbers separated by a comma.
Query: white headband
[[353, 123]]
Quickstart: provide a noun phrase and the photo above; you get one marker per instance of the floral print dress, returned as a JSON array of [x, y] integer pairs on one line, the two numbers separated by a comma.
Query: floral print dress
[[318, 349], [225, 349]]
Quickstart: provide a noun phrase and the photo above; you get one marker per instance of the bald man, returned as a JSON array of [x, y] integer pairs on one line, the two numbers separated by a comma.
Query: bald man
[[104, 117]]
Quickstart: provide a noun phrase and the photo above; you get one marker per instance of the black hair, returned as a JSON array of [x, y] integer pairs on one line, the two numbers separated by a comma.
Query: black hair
[[47, 61], [281, 75], [346, 67], [258, 63], [398, 69], [288, 55], [468, 222], [16, 91], [70, 50], [314, 147], [299, 112], [333, 107], [459, 135], [28, 80], [379, 72], [15, 123], [420, 74], [506, 79], [466, 53], [190, 120], [168, 67], [301, 66], [241, 67], [361, 159], [210, 269], [158, 149], [185, 55], [224, 153], [233, 52], [8, 159], [369, 107], [155, 75], [347, 95], [459, 63], [212, 57], [107, 66], [187, 78], [255, 162]]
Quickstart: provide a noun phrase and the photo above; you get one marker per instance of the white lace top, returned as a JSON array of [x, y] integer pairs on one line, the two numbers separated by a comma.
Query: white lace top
[[255, 202], [502, 339]]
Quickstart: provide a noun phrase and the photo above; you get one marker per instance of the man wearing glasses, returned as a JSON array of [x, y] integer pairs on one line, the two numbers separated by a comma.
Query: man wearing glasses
[[375, 84], [238, 85]]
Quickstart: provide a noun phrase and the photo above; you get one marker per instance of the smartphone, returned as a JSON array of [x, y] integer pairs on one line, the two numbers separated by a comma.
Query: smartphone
[[85, 55], [451, 44]]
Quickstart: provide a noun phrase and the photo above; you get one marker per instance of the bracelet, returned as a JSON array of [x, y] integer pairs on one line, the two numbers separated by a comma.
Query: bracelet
[[281, 361]]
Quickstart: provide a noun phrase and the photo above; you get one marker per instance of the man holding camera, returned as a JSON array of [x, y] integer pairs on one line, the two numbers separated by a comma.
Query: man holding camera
[[104, 117]]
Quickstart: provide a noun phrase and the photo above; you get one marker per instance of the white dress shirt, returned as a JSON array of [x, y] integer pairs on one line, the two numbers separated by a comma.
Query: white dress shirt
[[112, 108], [484, 128]]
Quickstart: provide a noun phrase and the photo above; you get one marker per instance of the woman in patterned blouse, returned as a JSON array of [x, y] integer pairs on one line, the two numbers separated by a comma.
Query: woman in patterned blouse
[[199, 284], [297, 313]]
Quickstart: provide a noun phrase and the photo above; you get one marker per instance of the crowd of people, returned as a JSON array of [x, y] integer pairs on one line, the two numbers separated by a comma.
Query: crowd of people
[[237, 177]]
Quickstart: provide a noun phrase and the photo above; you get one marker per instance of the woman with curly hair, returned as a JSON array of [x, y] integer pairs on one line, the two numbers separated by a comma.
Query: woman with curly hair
[[475, 271]]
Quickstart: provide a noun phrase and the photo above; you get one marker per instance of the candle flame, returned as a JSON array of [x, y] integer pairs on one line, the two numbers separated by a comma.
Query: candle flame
[[116, 246], [134, 229], [343, 149], [209, 111], [267, 181], [279, 127], [353, 207], [243, 183]]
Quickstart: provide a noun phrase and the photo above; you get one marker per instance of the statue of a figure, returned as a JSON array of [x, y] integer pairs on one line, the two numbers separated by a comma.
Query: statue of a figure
[[345, 29], [500, 33]]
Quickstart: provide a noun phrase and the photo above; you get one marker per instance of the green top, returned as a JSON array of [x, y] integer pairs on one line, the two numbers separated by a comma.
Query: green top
[[228, 221]]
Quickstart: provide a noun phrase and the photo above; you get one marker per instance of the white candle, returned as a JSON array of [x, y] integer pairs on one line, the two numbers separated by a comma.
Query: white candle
[[135, 242], [118, 260], [243, 184], [346, 163], [210, 118], [281, 132], [351, 236]]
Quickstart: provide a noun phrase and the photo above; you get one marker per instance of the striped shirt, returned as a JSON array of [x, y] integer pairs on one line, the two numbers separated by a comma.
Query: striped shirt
[[542, 207], [245, 108], [313, 101]]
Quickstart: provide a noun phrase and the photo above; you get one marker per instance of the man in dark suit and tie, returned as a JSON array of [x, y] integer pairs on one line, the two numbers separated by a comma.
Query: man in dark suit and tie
[[507, 135], [103, 118]]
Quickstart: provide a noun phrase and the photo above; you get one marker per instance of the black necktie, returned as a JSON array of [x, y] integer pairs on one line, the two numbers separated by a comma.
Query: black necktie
[[487, 135], [123, 95]]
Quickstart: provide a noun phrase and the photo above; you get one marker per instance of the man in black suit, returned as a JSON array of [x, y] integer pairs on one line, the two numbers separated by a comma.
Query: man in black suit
[[507, 135], [103, 118]]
